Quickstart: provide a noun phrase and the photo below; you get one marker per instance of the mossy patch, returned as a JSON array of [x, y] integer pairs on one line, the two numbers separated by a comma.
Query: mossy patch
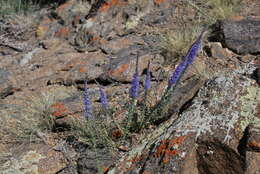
[[248, 107]]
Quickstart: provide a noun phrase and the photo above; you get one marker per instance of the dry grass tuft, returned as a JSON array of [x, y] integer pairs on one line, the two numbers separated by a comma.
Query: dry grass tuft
[[31, 115], [175, 44], [212, 10]]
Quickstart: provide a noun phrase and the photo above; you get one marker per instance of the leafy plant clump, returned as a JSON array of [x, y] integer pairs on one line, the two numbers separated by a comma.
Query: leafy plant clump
[[23, 7], [95, 128]]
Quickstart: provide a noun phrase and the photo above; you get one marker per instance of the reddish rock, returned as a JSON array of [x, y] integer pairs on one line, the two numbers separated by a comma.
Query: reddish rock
[[35, 158], [115, 45], [252, 159], [215, 157], [59, 109], [62, 10], [253, 141], [218, 52], [43, 27], [6, 87], [159, 1], [62, 33], [122, 69]]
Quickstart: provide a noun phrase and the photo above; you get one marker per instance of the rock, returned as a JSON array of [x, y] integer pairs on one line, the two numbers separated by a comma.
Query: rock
[[215, 157], [6, 87], [256, 75], [34, 158], [115, 45], [60, 64], [241, 35], [64, 111], [253, 141], [189, 164], [218, 52], [246, 58], [62, 33], [181, 95], [43, 28], [252, 147], [62, 22], [27, 57], [214, 132], [252, 159], [87, 162], [52, 44], [123, 67], [199, 131]]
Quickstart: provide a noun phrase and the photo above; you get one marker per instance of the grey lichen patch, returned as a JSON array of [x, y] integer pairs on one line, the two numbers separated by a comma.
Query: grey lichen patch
[[27, 164], [248, 107], [220, 105]]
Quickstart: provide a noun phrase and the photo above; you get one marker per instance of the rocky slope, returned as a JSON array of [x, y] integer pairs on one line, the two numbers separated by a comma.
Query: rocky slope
[[212, 125]]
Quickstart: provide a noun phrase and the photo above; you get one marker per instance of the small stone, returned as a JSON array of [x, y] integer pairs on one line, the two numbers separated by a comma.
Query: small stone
[[257, 75], [62, 33], [123, 148], [247, 58], [217, 51], [253, 142], [252, 161]]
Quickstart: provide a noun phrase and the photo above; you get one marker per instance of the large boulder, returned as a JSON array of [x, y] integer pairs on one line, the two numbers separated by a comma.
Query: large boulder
[[208, 136], [242, 35]]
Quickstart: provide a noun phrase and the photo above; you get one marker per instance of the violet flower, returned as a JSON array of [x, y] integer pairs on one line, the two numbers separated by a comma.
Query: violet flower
[[177, 73], [135, 86], [103, 99], [188, 60], [135, 83], [194, 50], [87, 103], [147, 84]]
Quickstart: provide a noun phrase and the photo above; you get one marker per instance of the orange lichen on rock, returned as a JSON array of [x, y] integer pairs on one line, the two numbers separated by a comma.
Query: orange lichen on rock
[[114, 2], [105, 7], [108, 5], [133, 161], [166, 148], [178, 140], [253, 144], [105, 169], [43, 27], [146, 172], [160, 150], [82, 69], [119, 70], [59, 109], [136, 159], [117, 134], [62, 33], [159, 1]]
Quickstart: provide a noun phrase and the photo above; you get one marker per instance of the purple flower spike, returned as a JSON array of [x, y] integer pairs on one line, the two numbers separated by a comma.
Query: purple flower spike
[[135, 86], [177, 73], [188, 60], [193, 51], [147, 84], [135, 82], [103, 99], [87, 103]]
